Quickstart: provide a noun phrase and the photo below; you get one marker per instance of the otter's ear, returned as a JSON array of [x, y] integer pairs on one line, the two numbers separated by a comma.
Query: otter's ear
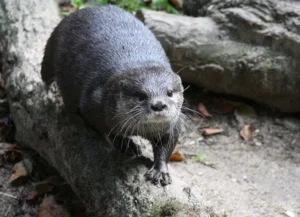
[[178, 83], [178, 78]]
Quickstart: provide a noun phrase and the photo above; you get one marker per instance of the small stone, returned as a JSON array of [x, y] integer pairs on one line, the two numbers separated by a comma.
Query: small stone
[[289, 214], [257, 143], [210, 7], [29, 88], [199, 139], [191, 142]]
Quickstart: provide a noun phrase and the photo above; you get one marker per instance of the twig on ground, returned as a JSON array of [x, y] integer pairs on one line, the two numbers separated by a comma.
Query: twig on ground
[[8, 195], [7, 211]]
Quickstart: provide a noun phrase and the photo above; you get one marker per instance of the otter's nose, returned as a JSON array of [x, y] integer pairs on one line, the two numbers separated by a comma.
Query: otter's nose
[[158, 106]]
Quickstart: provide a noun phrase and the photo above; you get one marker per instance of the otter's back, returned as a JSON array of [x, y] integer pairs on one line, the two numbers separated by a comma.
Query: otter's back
[[100, 41]]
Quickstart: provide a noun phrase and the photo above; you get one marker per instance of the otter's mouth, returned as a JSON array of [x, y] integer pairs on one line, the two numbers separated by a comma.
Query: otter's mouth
[[157, 118]]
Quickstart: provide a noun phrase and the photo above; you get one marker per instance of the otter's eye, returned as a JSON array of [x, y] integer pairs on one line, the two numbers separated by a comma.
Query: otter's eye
[[170, 93], [141, 96]]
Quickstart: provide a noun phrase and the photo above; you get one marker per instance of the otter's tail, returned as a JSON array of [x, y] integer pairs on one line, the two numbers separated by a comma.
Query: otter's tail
[[48, 68]]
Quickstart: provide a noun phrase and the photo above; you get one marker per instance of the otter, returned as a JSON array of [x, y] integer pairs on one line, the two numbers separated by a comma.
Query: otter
[[111, 69]]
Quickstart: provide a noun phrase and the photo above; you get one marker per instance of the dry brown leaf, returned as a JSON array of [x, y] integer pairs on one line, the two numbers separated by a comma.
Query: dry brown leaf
[[176, 3], [40, 190], [49, 208], [176, 157], [201, 108], [20, 174], [211, 131], [247, 132], [68, 9]]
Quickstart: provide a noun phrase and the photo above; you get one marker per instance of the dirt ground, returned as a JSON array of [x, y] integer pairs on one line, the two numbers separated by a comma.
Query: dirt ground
[[10, 205], [236, 178], [246, 179]]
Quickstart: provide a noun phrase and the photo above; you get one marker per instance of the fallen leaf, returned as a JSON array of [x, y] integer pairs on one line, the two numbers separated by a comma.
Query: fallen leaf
[[222, 107], [211, 131], [176, 3], [40, 190], [202, 109], [201, 159], [176, 157], [68, 8], [49, 208], [247, 132], [14, 148], [20, 174]]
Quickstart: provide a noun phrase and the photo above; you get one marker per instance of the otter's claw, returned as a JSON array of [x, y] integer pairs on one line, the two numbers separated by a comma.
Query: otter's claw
[[157, 176]]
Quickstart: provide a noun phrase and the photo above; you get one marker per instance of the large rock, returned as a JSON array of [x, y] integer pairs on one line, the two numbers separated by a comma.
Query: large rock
[[245, 48], [110, 184]]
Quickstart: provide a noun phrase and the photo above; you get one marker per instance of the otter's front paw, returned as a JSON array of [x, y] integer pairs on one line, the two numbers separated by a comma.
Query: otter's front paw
[[159, 175]]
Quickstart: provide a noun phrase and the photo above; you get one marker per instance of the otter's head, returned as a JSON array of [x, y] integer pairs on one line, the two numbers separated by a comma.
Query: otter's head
[[149, 97]]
